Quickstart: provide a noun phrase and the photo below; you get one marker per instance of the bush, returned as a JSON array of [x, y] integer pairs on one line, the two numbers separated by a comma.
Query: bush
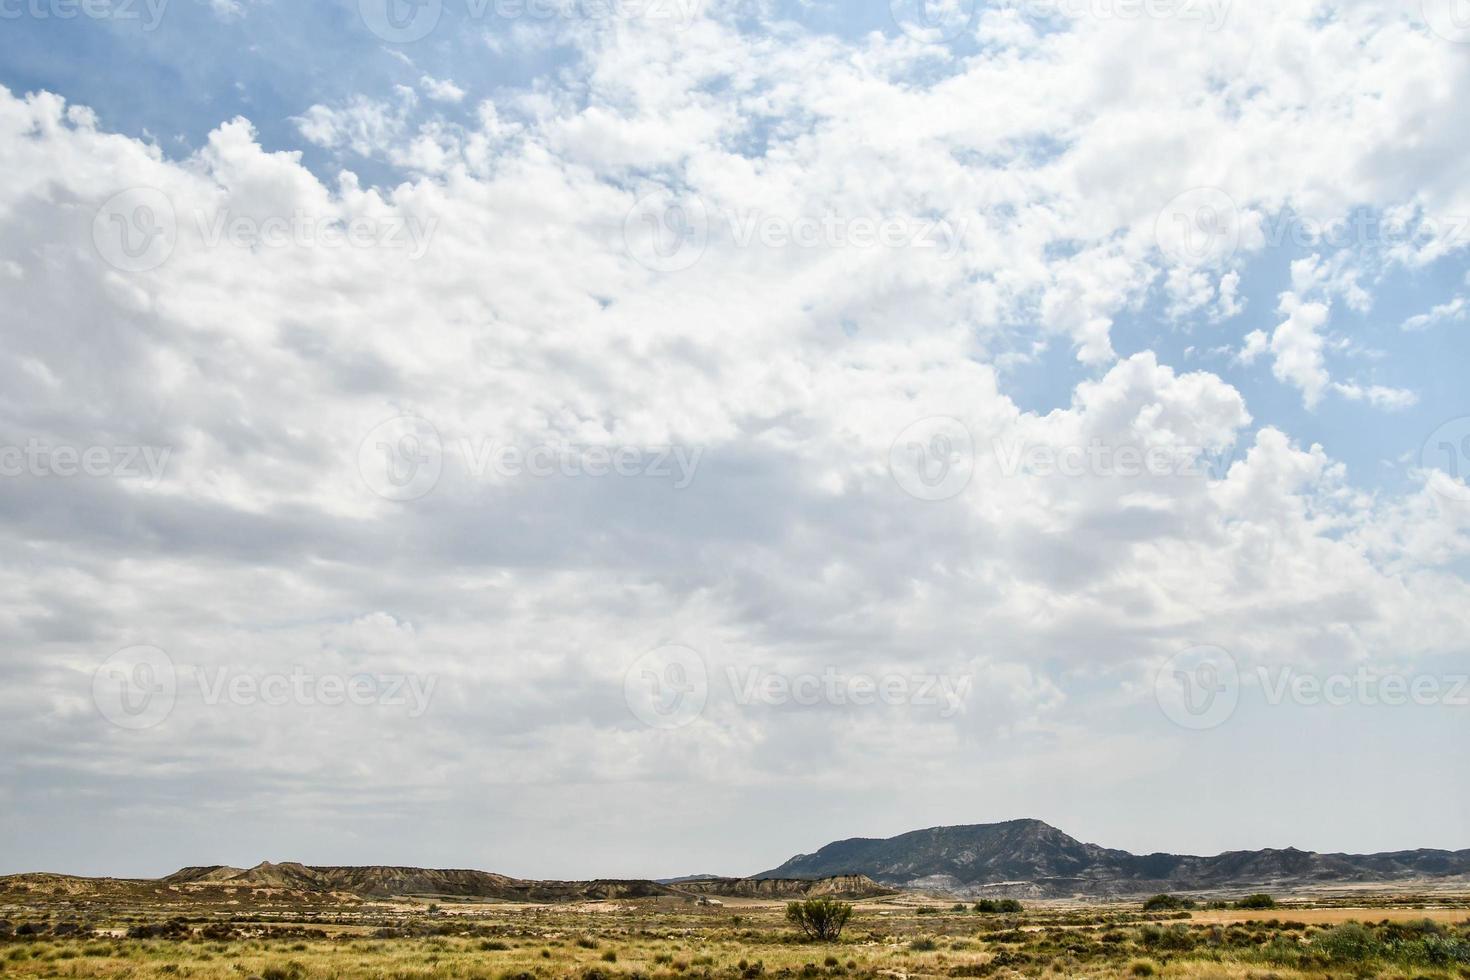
[[291, 971], [1348, 943], [923, 944], [1001, 906], [819, 918], [1142, 968], [1256, 902], [1167, 903]]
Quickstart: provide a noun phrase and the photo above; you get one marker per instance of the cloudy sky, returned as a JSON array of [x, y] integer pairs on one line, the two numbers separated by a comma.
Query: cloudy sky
[[642, 437]]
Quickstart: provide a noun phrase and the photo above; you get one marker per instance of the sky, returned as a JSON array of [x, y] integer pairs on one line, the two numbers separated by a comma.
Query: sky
[[624, 438]]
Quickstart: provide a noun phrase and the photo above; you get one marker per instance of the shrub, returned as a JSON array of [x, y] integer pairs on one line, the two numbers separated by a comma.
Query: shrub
[[1174, 938], [291, 971], [999, 906], [819, 918], [1348, 943], [611, 956], [1142, 968], [1256, 902], [923, 944], [1167, 903]]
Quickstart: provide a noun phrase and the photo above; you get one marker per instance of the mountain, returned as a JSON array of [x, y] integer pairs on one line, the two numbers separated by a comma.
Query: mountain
[[682, 879], [1028, 858], [382, 881], [838, 886], [293, 882]]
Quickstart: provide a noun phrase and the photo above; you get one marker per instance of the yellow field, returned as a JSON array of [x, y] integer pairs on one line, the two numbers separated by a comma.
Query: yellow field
[[743, 939]]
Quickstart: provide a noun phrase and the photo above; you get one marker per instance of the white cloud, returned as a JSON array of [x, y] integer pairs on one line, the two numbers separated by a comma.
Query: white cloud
[[1296, 345], [1256, 344], [1454, 311], [441, 90], [1379, 396]]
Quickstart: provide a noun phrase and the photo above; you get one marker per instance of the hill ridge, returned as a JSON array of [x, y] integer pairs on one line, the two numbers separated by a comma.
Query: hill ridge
[[1030, 858]]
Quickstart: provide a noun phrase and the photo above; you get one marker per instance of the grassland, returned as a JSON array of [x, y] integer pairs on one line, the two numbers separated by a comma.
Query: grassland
[[893, 938]]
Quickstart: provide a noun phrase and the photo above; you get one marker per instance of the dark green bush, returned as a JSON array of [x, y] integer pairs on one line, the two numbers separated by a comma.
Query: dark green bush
[[1001, 906]]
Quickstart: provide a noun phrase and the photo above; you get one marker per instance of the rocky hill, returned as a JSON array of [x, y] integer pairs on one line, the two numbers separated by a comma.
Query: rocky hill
[[1028, 858], [840, 886], [293, 882]]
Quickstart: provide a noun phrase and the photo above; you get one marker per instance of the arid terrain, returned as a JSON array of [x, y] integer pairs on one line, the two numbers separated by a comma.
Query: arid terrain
[[54, 926]]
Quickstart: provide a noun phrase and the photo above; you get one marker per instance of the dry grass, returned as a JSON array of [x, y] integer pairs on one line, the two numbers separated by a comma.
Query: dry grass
[[671, 940]]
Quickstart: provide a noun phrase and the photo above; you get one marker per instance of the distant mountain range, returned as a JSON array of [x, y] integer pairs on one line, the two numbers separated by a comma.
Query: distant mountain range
[[1028, 858], [292, 882], [1015, 859]]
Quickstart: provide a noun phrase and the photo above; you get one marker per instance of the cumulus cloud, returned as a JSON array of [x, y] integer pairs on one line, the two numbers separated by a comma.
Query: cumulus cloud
[[441, 90], [1296, 345]]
